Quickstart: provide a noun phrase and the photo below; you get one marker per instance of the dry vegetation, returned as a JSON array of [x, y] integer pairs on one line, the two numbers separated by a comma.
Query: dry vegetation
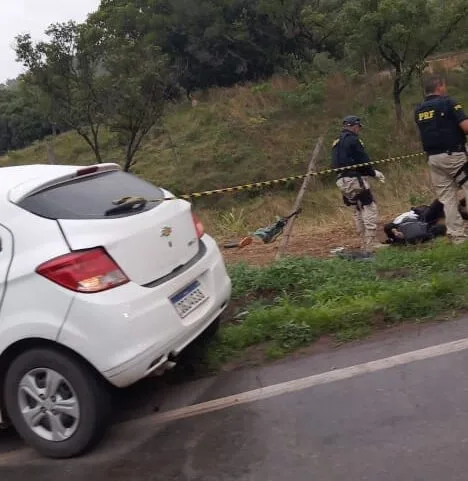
[[265, 131]]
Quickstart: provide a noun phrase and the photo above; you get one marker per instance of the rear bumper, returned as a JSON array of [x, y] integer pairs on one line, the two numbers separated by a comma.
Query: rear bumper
[[128, 332], [148, 362]]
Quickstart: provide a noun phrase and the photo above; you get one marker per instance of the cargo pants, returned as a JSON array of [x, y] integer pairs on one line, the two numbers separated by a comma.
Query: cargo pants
[[443, 169], [365, 216]]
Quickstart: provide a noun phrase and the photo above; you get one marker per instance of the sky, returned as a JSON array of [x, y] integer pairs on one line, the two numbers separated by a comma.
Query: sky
[[33, 16]]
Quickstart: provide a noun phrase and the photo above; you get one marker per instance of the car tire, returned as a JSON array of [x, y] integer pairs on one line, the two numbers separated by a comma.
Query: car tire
[[56, 403]]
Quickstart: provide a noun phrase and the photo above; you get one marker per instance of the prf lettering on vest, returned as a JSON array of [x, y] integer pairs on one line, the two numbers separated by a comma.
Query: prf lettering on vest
[[428, 115]]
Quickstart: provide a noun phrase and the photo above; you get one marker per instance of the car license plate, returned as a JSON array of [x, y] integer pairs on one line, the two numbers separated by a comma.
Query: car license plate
[[189, 299]]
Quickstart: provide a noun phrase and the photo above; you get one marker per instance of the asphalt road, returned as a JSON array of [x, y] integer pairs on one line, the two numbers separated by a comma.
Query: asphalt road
[[407, 420]]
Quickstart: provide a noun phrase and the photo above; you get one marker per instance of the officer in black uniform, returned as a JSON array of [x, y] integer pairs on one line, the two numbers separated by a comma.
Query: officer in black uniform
[[348, 151], [443, 126]]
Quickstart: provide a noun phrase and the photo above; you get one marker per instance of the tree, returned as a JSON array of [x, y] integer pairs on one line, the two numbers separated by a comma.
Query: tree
[[92, 77], [305, 25], [404, 33], [459, 40], [66, 69], [214, 42], [137, 79], [223, 42], [22, 121]]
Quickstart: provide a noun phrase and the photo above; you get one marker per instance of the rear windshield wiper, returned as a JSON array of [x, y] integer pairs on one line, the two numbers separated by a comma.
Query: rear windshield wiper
[[126, 204]]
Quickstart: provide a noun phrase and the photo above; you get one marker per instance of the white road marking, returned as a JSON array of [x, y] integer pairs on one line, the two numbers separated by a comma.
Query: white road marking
[[23, 454], [310, 381]]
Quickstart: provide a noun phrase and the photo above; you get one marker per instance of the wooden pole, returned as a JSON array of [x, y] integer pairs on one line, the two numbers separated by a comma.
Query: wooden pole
[[289, 226]]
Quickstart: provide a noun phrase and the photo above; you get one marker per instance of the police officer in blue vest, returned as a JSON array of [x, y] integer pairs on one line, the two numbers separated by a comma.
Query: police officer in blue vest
[[348, 151], [443, 126]]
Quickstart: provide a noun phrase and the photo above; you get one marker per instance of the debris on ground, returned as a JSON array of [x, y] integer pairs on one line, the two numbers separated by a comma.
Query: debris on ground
[[315, 244]]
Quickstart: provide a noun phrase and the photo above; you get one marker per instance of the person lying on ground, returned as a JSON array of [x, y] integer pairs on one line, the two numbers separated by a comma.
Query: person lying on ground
[[419, 224], [429, 214]]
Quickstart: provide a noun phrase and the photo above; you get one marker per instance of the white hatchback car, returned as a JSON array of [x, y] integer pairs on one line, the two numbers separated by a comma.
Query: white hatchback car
[[101, 282]]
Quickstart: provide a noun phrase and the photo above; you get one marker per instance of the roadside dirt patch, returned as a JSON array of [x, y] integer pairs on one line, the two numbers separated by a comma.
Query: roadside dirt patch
[[314, 244], [237, 306], [379, 321], [253, 356], [257, 355]]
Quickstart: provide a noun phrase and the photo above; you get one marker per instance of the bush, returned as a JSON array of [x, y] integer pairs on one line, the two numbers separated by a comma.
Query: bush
[[307, 95]]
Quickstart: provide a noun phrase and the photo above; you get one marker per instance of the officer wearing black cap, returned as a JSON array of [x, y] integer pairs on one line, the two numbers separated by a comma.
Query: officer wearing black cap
[[443, 126], [348, 151]]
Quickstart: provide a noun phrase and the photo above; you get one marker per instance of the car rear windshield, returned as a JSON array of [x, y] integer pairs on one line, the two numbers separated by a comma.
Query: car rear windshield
[[91, 197]]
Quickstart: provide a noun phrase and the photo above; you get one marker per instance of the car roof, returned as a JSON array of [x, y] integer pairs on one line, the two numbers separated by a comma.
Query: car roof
[[12, 176], [24, 178]]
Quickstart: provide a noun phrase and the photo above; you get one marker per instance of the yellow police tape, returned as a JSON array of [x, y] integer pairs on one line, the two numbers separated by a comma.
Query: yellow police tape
[[268, 183]]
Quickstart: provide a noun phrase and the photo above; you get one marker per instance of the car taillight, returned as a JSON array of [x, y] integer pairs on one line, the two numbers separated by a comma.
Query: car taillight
[[198, 226], [84, 271]]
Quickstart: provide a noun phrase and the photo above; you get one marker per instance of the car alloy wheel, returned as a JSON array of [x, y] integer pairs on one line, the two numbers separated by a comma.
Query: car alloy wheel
[[49, 404]]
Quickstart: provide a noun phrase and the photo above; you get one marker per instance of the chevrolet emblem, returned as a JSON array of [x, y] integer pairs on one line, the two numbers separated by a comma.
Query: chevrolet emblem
[[166, 231]]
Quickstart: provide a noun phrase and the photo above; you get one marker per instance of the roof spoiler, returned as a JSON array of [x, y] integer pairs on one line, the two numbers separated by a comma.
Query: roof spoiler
[[37, 184]]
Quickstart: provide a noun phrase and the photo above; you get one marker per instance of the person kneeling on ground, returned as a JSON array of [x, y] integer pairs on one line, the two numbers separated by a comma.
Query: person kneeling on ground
[[420, 224]]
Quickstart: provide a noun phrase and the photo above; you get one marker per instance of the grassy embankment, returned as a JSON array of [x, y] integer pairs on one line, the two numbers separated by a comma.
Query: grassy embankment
[[260, 132]]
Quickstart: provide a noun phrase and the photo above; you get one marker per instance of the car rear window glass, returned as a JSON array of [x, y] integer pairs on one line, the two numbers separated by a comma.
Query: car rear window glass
[[91, 197]]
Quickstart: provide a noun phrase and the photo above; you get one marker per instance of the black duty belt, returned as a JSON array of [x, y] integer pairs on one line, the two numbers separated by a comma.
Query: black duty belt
[[348, 173]]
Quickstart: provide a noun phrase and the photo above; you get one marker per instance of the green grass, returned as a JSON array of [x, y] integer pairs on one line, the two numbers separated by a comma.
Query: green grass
[[297, 300]]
